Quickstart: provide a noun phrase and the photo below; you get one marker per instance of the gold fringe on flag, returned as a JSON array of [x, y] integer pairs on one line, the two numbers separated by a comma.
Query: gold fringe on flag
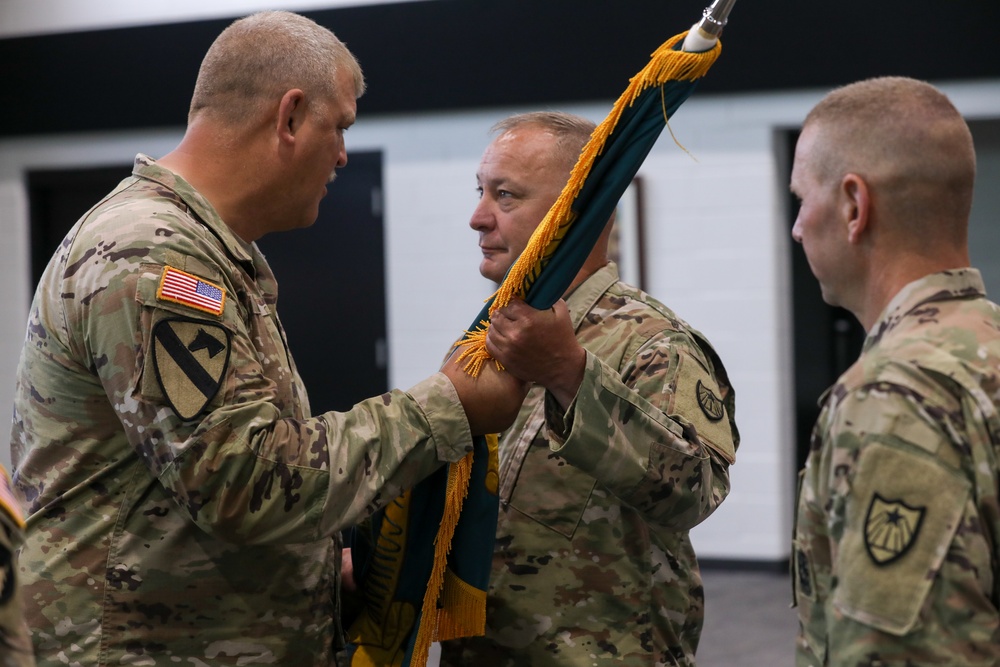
[[463, 613], [666, 64]]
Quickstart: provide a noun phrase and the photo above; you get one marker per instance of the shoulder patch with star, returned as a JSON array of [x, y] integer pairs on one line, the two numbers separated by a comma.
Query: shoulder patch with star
[[891, 528]]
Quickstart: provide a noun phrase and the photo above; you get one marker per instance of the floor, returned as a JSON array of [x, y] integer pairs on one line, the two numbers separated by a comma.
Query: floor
[[748, 620]]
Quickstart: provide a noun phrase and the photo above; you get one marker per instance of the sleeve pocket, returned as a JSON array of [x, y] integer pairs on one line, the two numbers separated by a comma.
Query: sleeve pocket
[[903, 512]]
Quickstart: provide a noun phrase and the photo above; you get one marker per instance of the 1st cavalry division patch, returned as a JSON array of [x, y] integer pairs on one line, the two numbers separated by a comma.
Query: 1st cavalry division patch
[[190, 357]]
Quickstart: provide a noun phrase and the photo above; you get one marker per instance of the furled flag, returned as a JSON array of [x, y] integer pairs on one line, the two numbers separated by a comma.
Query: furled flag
[[417, 591]]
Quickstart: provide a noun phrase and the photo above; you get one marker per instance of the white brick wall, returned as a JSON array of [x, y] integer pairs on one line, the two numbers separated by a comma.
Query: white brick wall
[[717, 253]]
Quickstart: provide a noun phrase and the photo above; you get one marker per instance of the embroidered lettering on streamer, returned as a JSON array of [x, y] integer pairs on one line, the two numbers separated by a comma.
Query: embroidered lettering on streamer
[[186, 289]]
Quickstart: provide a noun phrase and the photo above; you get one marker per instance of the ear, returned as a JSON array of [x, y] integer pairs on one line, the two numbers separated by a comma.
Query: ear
[[291, 111], [856, 206]]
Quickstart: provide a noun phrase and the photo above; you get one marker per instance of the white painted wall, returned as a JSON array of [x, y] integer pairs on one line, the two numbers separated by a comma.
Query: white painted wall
[[717, 253]]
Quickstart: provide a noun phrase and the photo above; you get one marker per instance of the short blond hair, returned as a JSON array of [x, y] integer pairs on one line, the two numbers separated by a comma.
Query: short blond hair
[[258, 58], [903, 136]]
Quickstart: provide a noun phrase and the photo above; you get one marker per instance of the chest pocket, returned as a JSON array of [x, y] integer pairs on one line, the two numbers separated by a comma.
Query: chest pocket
[[549, 490]]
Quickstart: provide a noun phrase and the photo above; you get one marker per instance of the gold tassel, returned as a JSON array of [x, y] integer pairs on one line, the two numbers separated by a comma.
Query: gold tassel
[[463, 609], [665, 65], [458, 487]]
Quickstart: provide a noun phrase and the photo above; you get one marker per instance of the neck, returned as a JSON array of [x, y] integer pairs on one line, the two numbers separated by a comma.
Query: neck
[[888, 277], [224, 175], [596, 261]]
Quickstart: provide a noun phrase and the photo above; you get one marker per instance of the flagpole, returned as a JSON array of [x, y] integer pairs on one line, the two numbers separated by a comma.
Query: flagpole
[[705, 33]]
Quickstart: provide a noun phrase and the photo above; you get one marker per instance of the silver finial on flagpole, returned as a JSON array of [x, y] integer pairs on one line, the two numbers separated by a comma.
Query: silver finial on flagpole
[[705, 33]]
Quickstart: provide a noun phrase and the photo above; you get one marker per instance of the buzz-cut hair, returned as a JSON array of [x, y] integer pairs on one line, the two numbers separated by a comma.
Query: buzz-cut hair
[[905, 135], [258, 58]]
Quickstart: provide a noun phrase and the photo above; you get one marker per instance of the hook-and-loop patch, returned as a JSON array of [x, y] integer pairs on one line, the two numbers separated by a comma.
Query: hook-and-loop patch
[[190, 358]]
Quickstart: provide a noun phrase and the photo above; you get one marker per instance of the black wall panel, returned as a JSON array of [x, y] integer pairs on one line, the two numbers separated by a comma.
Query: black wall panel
[[451, 54]]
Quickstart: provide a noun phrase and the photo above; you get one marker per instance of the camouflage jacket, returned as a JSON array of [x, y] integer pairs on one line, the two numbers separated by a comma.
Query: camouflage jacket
[[593, 565], [15, 642], [181, 499], [896, 553]]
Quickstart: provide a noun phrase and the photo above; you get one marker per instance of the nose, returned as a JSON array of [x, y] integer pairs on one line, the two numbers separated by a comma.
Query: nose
[[342, 157], [482, 218], [797, 231]]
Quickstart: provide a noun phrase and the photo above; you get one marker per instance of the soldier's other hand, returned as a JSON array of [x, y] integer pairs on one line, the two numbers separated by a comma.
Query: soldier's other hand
[[539, 346], [491, 400], [347, 581]]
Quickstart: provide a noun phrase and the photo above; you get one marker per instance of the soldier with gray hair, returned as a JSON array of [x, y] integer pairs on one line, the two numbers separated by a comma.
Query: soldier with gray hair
[[896, 555], [183, 504], [622, 446]]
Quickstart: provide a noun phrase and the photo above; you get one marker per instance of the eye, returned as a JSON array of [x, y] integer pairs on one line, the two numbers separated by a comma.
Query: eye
[[504, 193], [479, 191]]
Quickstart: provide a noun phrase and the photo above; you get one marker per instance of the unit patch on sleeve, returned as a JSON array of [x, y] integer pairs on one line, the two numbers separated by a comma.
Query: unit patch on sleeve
[[186, 289], [697, 401], [710, 404], [190, 357], [891, 528]]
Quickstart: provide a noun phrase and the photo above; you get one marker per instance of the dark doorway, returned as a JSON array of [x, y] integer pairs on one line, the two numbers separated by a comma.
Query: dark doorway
[[57, 198], [331, 276], [331, 295], [827, 339]]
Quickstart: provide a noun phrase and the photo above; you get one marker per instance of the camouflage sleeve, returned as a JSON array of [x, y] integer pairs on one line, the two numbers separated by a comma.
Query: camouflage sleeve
[[891, 560], [658, 436], [311, 478], [240, 467]]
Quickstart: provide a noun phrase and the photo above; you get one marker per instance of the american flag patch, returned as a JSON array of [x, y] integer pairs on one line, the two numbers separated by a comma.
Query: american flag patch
[[188, 290]]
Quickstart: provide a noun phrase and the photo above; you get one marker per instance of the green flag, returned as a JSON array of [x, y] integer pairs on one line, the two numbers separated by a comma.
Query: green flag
[[419, 588]]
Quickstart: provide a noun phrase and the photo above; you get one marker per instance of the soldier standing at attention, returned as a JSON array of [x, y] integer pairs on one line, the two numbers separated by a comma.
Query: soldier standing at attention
[[622, 446], [896, 551], [183, 505]]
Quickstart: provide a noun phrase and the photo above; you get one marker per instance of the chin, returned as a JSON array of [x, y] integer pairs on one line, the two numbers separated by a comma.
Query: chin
[[493, 270], [490, 274]]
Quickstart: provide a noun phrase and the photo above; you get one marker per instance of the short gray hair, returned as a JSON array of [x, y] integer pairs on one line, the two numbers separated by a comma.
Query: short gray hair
[[571, 132], [260, 57]]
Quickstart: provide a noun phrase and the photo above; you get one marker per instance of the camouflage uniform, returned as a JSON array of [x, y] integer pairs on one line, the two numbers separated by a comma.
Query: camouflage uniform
[[896, 553], [593, 565], [163, 532], [15, 643]]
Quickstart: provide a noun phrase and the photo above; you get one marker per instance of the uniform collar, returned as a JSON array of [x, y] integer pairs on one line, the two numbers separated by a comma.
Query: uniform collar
[[241, 251], [585, 295], [946, 285]]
